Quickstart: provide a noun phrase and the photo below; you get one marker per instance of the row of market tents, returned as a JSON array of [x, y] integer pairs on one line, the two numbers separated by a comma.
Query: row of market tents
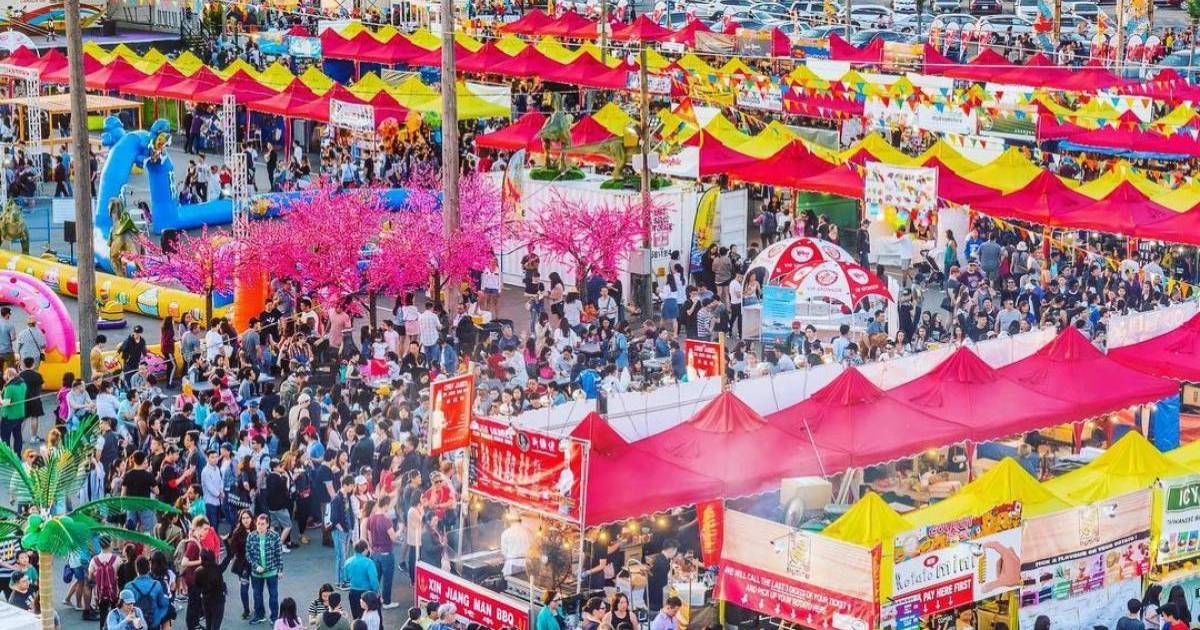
[[728, 450]]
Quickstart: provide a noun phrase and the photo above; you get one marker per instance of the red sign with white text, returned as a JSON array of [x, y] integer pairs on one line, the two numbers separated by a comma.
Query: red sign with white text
[[450, 415], [534, 470], [704, 358], [793, 600], [475, 604]]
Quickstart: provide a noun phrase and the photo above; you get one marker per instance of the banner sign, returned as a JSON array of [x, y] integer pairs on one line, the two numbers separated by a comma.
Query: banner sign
[[901, 57], [754, 43], [715, 43], [704, 358], [1180, 517], [1014, 122], [705, 227], [475, 604], [450, 417], [537, 471], [799, 576], [897, 193], [307, 47], [759, 93], [954, 564], [710, 518], [357, 117], [778, 313], [655, 83], [1082, 565], [943, 117], [272, 42]]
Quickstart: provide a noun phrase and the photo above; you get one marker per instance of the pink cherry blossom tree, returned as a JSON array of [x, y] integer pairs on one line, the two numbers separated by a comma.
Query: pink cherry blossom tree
[[593, 236], [200, 264], [319, 239], [412, 250]]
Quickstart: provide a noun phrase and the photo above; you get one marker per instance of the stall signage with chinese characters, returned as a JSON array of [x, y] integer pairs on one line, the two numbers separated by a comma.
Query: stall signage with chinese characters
[[534, 470], [474, 604]]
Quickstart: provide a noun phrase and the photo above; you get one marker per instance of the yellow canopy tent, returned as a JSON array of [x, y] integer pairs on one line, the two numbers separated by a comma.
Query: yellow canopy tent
[[187, 63], [695, 65], [1008, 172], [613, 60], [1188, 455], [855, 81], [1178, 117], [1090, 115], [736, 66], [880, 149], [151, 62], [93, 50], [870, 522], [316, 80], [1004, 483], [654, 60], [467, 41], [510, 44], [948, 155], [675, 129], [767, 142], [472, 105], [1182, 198], [368, 86], [386, 33], [554, 49], [413, 94], [803, 75], [352, 29], [1133, 463], [1123, 171], [902, 87], [726, 132], [239, 64], [276, 76], [425, 39], [613, 118]]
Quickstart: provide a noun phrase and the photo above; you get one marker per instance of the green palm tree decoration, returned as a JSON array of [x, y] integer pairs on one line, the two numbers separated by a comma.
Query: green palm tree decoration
[[1193, 11], [43, 487]]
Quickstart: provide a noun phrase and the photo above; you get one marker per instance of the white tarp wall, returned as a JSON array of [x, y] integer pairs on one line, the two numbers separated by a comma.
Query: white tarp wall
[[1124, 330], [13, 618]]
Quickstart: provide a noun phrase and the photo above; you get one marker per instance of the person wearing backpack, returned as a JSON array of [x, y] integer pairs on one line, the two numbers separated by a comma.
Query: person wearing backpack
[[768, 225], [149, 595], [102, 571]]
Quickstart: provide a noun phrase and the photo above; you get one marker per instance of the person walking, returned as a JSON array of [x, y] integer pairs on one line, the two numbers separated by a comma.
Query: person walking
[[341, 523], [31, 344], [362, 575], [12, 410], [265, 554], [382, 536], [210, 589]]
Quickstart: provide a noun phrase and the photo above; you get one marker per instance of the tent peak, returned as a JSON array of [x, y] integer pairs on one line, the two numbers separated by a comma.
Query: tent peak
[[727, 414]]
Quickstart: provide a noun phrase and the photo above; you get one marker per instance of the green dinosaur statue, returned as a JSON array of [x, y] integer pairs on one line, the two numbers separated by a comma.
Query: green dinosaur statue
[[555, 134], [123, 238], [13, 227]]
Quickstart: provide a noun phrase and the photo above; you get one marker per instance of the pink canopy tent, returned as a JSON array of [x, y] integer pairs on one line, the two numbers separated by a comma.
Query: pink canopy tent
[[715, 157], [614, 468], [49, 62], [433, 58], [787, 166], [983, 67], [965, 389], [1038, 71], [566, 25], [290, 103], [587, 71], [531, 23], [1181, 227], [522, 134], [153, 83], [840, 180], [530, 62], [364, 47], [842, 50], [22, 56], [781, 44], [1043, 195], [728, 440], [1174, 355], [642, 29], [1072, 369], [935, 62], [241, 85], [1121, 211], [481, 61], [62, 74], [820, 105], [687, 34], [852, 415], [186, 89], [955, 187], [1092, 76], [386, 106], [112, 76]]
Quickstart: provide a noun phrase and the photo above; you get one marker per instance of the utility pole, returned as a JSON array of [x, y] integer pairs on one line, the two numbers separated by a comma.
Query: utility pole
[[645, 299], [449, 143], [1057, 24], [81, 158], [1121, 38], [603, 32]]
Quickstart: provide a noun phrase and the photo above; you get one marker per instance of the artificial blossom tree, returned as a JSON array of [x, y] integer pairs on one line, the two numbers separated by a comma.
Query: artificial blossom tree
[[201, 264]]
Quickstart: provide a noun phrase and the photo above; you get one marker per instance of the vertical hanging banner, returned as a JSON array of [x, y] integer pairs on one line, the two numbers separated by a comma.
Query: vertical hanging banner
[[805, 578], [533, 470], [778, 313], [704, 358], [898, 193], [1180, 517], [705, 228], [710, 518], [512, 189], [453, 401]]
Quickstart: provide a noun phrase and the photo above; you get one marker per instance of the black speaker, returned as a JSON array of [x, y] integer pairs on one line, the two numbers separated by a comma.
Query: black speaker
[[167, 241], [69, 232]]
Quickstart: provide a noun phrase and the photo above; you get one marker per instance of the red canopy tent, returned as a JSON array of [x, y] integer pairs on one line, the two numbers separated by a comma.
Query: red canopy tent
[[687, 34], [967, 390], [186, 89], [240, 84], [842, 180], [49, 62], [117, 73], [364, 47], [781, 44], [22, 56], [955, 187], [386, 106], [1121, 211], [1092, 76], [153, 83], [297, 101], [1181, 227], [522, 134], [817, 105], [1038, 71], [433, 58], [937, 63], [587, 71], [787, 166], [1072, 369], [531, 23], [727, 440], [481, 61], [842, 50], [983, 67], [1043, 195], [852, 415], [530, 62], [716, 158], [334, 46], [566, 25], [1174, 355], [1121, 138], [642, 29], [614, 467]]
